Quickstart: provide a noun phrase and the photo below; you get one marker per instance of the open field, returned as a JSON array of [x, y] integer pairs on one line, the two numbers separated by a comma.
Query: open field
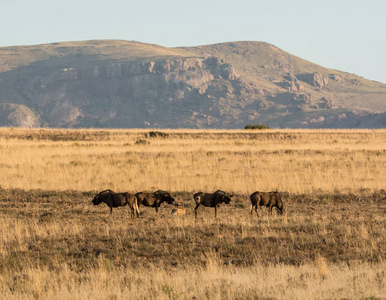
[[330, 243], [187, 160], [55, 244]]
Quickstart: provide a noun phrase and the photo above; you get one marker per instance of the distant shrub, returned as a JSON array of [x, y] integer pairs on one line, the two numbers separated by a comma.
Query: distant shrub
[[155, 134], [76, 163], [258, 126], [141, 142]]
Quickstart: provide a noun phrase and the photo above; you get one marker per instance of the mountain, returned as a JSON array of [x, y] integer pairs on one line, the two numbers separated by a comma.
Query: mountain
[[125, 84]]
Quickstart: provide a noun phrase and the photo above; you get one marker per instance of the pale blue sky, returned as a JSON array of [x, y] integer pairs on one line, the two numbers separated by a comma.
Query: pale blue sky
[[348, 35]]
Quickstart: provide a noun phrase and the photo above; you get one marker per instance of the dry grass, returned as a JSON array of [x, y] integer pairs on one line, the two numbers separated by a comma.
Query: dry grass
[[127, 160], [330, 243], [56, 245]]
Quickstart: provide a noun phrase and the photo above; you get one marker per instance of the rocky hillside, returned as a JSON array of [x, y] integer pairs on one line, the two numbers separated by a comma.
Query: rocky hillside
[[125, 84]]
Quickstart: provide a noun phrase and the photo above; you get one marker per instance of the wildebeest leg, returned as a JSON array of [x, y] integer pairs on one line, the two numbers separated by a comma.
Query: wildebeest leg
[[195, 209], [253, 208], [270, 209], [279, 211], [215, 211], [257, 206], [111, 210]]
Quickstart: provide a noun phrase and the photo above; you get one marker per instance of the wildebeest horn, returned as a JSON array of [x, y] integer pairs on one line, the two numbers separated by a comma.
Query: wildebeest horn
[[221, 193], [108, 190]]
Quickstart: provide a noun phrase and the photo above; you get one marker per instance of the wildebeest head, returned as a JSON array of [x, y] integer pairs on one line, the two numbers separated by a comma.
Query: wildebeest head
[[98, 199], [198, 196], [278, 202], [280, 207], [225, 197], [165, 196]]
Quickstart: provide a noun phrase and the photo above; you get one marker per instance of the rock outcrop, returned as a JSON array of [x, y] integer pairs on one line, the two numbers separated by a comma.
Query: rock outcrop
[[292, 84], [17, 115], [336, 77], [314, 79]]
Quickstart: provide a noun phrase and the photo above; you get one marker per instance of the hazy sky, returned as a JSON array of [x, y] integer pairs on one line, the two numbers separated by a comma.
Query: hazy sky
[[347, 35]]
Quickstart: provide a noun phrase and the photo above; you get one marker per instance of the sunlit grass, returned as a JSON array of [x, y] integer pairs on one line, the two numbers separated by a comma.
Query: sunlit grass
[[187, 160]]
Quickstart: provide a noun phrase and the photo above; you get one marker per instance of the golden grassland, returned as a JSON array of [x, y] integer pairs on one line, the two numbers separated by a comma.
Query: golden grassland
[[57, 245], [188, 160], [330, 242]]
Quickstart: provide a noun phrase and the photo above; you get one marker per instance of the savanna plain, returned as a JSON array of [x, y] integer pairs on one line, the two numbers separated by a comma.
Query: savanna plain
[[330, 243]]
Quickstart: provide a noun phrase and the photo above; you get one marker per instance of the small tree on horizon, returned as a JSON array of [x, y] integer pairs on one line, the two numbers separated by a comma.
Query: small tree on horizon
[[258, 126]]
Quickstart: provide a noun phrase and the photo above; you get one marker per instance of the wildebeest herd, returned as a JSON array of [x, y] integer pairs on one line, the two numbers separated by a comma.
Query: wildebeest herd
[[112, 199]]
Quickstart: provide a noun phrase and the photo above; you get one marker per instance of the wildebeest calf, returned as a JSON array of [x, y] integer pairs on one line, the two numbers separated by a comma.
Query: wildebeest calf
[[211, 200], [154, 199], [117, 199], [178, 210], [269, 199]]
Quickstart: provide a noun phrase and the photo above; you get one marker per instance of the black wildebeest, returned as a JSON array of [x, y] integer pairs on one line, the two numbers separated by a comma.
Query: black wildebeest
[[211, 200], [117, 199], [268, 199], [154, 199]]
